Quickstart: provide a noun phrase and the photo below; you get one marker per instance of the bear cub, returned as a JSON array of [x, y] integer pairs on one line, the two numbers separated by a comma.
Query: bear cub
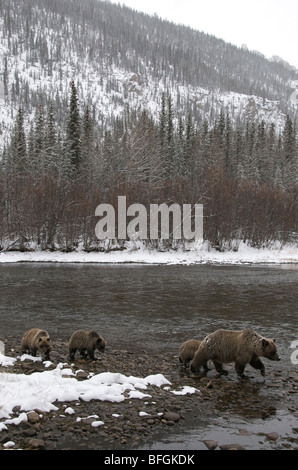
[[36, 340], [86, 342], [187, 351]]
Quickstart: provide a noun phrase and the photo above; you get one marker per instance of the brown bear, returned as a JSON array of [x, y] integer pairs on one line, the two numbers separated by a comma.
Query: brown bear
[[36, 340], [241, 347], [187, 351], [86, 342]]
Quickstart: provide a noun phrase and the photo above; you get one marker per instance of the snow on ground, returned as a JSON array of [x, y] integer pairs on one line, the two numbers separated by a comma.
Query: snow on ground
[[40, 390], [138, 253]]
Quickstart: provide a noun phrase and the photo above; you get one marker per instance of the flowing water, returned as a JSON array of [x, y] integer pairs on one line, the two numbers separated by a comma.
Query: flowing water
[[152, 308], [149, 307]]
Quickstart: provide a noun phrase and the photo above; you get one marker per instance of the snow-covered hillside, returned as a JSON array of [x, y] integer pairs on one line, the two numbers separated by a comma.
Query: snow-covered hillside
[[122, 59]]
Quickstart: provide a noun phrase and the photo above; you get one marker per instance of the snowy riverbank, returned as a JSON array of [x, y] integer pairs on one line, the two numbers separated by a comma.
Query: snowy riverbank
[[139, 254], [128, 400]]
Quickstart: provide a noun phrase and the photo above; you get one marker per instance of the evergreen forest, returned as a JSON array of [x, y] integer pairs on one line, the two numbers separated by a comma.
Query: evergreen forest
[[99, 101], [52, 179]]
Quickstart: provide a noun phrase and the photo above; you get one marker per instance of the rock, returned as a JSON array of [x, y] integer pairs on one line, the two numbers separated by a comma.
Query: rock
[[243, 432], [81, 374], [33, 417], [31, 431], [9, 444], [210, 444], [232, 447], [36, 443], [171, 416], [272, 436], [150, 421]]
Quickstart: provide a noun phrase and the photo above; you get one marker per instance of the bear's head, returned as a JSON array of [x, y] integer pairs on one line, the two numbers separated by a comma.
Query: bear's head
[[100, 344], [44, 344], [269, 349]]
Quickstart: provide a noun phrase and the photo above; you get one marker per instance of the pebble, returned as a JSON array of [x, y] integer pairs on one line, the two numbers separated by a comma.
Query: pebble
[[243, 432], [81, 374], [36, 443], [210, 444], [171, 416], [231, 447], [272, 436], [33, 417]]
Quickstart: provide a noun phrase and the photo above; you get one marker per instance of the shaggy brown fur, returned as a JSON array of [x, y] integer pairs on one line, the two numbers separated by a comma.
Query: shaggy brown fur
[[241, 347], [86, 342], [187, 351], [36, 340]]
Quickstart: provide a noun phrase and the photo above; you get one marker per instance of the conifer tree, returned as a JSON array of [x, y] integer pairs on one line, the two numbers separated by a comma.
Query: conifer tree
[[19, 143], [39, 142], [87, 149], [73, 133], [51, 144]]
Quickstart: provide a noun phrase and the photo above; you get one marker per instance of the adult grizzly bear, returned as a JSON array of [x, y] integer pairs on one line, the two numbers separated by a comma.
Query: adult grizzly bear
[[187, 351], [36, 340], [86, 342], [241, 347]]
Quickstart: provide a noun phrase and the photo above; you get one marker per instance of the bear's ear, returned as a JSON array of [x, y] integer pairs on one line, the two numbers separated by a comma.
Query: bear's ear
[[274, 340], [264, 343]]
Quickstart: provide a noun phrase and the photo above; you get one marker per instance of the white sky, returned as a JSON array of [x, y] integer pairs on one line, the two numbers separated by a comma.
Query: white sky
[[268, 26]]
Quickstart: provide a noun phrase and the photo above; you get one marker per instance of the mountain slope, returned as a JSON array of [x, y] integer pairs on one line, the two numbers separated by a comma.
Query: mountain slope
[[120, 58]]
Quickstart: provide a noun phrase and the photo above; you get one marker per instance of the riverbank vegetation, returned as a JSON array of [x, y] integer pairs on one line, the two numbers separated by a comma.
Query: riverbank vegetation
[[52, 178]]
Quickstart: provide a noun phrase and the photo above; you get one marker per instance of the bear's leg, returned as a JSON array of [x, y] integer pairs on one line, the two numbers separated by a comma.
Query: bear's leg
[[258, 364], [91, 353], [196, 368], [47, 355], [219, 368], [199, 360], [182, 364], [84, 352], [240, 369], [72, 353]]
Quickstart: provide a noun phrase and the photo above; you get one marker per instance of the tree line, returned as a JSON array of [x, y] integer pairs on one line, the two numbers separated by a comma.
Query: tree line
[[52, 178]]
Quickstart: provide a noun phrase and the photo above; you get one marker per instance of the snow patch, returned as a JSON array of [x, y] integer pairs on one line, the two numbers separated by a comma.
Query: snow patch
[[202, 254], [41, 390], [6, 361], [186, 390]]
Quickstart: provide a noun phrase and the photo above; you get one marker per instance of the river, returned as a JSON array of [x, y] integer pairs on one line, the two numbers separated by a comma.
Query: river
[[149, 307], [154, 309]]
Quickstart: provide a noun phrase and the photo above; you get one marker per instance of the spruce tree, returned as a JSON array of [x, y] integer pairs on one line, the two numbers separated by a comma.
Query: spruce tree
[[52, 147], [19, 143], [87, 149], [73, 133]]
